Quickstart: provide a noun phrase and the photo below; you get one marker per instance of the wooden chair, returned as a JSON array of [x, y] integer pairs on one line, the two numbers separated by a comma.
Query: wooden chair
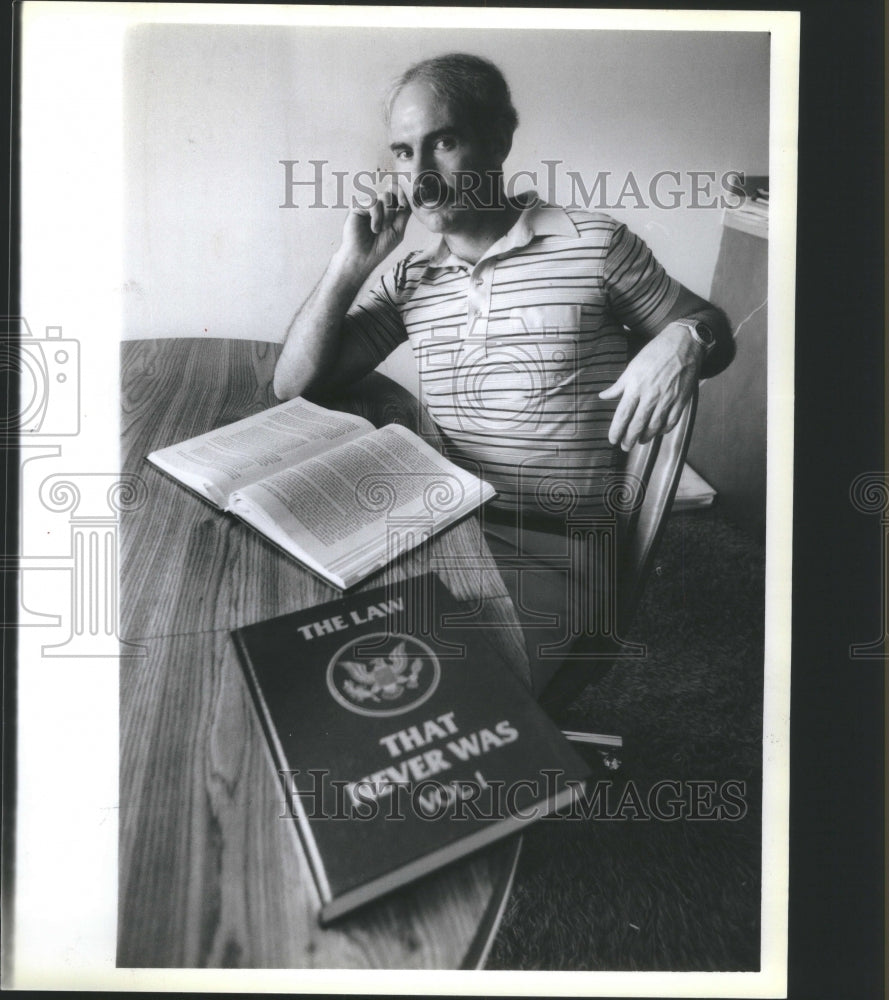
[[651, 476]]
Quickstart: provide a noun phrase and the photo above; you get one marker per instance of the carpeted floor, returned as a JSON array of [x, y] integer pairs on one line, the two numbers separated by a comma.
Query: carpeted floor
[[630, 888]]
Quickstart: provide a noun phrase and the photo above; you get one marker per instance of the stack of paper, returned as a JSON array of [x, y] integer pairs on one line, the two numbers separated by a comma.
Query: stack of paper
[[693, 491], [752, 215]]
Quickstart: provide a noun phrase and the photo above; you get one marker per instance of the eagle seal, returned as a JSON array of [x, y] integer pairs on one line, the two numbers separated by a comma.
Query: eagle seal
[[383, 674]]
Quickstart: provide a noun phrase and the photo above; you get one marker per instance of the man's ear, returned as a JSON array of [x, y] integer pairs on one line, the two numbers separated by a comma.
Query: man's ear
[[501, 142]]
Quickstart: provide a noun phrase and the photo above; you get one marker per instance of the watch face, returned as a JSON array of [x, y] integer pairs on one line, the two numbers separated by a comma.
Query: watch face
[[705, 334]]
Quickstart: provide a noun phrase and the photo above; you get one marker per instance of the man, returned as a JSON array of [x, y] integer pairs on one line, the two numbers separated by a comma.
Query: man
[[518, 322]]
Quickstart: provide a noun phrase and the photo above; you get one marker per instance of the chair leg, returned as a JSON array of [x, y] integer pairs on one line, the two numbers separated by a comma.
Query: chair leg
[[605, 745], [568, 683]]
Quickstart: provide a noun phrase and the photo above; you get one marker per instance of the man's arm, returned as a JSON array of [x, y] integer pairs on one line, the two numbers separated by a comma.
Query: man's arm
[[657, 384], [316, 355]]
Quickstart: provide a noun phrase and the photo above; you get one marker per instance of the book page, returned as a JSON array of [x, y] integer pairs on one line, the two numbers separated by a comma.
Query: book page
[[356, 507], [244, 452]]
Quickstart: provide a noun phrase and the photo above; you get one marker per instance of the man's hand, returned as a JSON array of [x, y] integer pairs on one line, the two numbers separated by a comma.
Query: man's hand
[[371, 233], [655, 387], [315, 353]]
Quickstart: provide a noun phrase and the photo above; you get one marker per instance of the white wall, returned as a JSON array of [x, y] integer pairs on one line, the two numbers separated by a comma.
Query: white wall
[[211, 110]]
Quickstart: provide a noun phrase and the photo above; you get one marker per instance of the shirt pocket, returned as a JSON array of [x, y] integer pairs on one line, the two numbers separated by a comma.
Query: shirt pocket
[[553, 319]]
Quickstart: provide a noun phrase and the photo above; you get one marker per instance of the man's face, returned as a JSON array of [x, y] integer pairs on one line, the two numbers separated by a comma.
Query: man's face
[[429, 145]]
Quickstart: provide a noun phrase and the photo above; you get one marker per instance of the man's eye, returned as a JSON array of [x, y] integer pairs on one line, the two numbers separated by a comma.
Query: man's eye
[[445, 142], [402, 154]]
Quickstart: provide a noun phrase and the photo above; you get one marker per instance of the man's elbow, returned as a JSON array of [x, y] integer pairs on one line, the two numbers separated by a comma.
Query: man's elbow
[[282, 386], [724, 349], [288, 383]]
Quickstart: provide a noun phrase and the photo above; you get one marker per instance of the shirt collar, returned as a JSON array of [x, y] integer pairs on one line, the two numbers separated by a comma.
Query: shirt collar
[[536, 219]]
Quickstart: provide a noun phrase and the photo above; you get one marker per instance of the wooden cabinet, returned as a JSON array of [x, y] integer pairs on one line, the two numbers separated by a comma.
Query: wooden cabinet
[[729, 444]]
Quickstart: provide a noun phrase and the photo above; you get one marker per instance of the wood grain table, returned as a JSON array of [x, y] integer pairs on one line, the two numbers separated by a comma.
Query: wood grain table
[[211, 873]]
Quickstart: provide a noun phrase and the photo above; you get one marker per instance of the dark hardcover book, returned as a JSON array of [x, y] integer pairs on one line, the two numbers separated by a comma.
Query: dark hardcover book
[[402, 740]]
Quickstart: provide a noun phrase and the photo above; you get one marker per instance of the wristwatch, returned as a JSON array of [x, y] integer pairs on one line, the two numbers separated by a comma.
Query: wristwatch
[[700, 333]]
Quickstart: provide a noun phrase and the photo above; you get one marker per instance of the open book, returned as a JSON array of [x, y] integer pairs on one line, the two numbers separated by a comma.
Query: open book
[[336, 494]]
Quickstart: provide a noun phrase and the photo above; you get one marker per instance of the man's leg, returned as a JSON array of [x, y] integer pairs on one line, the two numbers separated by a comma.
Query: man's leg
[[552, 593]]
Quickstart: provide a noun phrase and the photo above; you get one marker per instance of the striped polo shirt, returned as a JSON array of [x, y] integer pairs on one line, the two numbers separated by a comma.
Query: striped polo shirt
[[513, 351]]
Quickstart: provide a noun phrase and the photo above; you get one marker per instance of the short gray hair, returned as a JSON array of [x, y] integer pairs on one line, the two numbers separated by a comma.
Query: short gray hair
[[474, 88]]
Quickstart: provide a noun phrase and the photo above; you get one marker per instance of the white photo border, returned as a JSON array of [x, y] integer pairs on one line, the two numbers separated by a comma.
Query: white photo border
[[66, 902]]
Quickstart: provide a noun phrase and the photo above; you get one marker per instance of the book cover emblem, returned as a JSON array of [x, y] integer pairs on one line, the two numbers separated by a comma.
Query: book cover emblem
[[383, 673]]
